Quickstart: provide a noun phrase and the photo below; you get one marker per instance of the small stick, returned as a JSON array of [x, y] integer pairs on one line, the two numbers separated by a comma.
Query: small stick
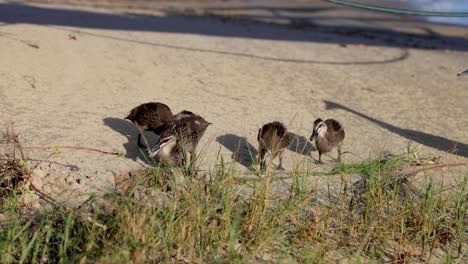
[[349, 152], [46, 159], [84, 203], [24, 169], [73, 147], [413, 170], [26, 174], [47, 198], [103, 227], [20, 149], [140, 130]]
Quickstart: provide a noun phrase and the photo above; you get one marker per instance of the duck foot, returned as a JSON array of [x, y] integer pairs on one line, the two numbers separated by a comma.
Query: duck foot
[[280, 168]]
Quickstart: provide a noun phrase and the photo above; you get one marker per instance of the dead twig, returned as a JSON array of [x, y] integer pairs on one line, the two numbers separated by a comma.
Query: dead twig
[[47, 198], [90, 199], [140, 130], [20, 148], [405, 172], [103, 227], [46, 159], [24, 169], [73, 147], [25, 176]]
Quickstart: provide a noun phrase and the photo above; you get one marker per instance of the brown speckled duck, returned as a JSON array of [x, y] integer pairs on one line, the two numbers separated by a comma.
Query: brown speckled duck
[[178, 138], [153, 117], [327, 134], [272, 137]]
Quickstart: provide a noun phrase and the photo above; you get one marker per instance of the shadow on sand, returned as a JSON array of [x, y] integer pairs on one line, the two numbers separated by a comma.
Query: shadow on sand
[[300, 144], [245, 153], [429, 140], [128, 129], [15, 13], [242, 151]]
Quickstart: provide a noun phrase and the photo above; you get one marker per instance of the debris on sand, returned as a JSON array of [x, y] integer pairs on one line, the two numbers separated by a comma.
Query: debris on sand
[[12, 167]]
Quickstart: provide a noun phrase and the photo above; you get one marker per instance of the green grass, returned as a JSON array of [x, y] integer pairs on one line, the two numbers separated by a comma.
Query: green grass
[[215, 222]]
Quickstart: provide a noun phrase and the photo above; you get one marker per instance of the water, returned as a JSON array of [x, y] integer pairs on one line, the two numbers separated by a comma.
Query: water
[[438, 6]]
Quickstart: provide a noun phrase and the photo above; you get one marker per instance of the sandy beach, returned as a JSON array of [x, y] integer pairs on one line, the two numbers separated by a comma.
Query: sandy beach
[[70, 74]]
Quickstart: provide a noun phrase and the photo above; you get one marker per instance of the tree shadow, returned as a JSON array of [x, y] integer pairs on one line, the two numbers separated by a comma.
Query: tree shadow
[[14, 13], [129, 130], [403, 55], [300, 144], [242, 151], [429, 140]]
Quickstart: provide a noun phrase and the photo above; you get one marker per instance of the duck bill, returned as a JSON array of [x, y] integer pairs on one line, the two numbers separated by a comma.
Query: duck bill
[[463, 73], [152, 152], [313, 136]]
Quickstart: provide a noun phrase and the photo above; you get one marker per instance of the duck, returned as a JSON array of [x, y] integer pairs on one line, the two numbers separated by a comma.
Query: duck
[[153, 116], [328, 134], [465, 73], [272, 137], [177, 142]]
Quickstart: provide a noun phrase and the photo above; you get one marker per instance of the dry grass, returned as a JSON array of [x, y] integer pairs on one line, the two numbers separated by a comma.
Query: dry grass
[[12, 161], [160, 215]]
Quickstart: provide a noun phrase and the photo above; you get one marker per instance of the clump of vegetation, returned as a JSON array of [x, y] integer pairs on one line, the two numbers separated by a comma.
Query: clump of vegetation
[[12, 169], [160, 215]]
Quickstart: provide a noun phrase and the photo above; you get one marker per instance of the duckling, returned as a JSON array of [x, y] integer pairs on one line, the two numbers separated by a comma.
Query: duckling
[[167, 151], [182, 114], [463, 73], [179, 137], [153, 117], [272, 137], [327, 134], [176, 117]]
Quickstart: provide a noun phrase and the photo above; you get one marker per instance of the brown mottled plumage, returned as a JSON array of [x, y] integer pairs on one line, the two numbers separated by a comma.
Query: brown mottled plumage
[[272, 137], [182, 114], [179, 137], [328, 134], [153, 117]]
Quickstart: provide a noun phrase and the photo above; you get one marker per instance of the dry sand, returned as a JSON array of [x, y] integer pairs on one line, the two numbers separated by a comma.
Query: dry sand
[[68, 76]]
